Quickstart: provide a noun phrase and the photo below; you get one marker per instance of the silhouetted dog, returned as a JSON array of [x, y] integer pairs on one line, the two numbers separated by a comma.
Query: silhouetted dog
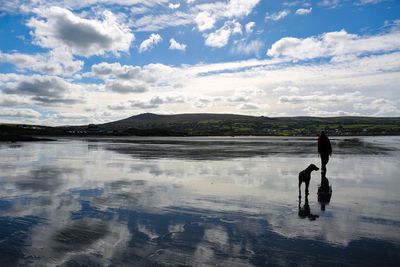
[[305, 176]]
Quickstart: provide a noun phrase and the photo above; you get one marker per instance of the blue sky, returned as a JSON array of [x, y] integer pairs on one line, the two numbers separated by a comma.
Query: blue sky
[[77, 62]]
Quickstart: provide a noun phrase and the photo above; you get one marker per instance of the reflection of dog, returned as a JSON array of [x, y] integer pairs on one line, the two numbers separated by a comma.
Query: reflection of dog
[[305, 176], [305, 212]]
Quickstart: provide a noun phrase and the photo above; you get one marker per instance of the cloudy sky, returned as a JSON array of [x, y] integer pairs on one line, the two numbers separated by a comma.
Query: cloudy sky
[[78, 62]]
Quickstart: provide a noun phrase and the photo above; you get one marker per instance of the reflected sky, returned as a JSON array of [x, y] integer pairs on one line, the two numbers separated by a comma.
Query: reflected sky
[[197, 201]]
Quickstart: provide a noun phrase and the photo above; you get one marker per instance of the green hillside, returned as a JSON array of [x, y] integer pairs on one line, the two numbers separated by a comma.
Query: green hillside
[[149, 124]]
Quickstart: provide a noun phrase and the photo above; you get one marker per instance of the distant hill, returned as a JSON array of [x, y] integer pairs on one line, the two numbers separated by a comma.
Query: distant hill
[[204, 124], [156, 119]]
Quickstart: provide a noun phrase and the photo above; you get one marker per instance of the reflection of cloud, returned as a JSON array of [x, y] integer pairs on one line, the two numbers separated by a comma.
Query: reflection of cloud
[[14, 233], [236, 211], [44, 179], [79, 235]]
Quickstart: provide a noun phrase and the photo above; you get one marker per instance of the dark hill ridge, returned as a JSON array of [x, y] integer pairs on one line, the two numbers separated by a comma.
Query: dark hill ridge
[[204, 124], [151, 118]]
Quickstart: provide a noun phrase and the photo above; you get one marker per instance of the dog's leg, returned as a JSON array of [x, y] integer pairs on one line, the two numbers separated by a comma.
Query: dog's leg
[[307, 188], [299, 190]]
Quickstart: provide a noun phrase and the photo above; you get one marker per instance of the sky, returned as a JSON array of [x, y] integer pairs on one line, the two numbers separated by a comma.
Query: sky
[[95, 61]]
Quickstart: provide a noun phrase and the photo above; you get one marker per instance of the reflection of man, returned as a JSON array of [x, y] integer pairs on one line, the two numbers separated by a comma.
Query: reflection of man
[[324, 150]]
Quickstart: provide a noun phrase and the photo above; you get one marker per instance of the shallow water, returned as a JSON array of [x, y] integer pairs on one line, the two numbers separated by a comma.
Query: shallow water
[[197, 201]]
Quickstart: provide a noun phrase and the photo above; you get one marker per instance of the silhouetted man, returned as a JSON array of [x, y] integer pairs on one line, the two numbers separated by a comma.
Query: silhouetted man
[[324, 150]]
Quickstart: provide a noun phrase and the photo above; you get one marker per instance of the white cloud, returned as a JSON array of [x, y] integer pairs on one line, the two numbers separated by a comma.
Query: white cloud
[[115, 71], [19, 113], [240, 8], [174, 6], [277, 16], [27, 6], [368, 2], [303, 11], [56, 62], [312, 111], [203, 15], [321, 98], [220, 37], [247, 47], [152, 103], [44, 90], [204, 21], [334, 44], [174, 45], [248, 106], [156, 22], [58, 27], [330, 3], [126, 87], [318, 88], [378, 107], [287, 89], [149, 43], [129, 79], [250, 27], [12, 101]]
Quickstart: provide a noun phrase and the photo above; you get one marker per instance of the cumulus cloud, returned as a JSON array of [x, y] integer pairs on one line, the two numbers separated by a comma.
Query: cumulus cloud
[[220, 37], [58, 27], [127, 79], [150, 73], [149, 43], [240, 8], [277, 16], [329, 3], [204, 21], [174, 6], [204, 15], [315, 88], [378, 106], [286, 89], [368, 2], [321, 98], [174, 45], [312, 111], [45, 90], [151, 22], [56, 62], [153, 102], [303, 11], [27, 6], [20, 113], [244, 47], [248, 106], [12, 100], [245, 95], [250, 26], [334, 44], [125, 87]]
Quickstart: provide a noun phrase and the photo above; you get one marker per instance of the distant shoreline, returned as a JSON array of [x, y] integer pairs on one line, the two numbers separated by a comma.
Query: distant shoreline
[[149, 124], [16, 139]]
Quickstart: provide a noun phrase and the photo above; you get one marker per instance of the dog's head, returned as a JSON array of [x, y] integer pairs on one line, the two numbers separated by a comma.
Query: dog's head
[[312, 167]]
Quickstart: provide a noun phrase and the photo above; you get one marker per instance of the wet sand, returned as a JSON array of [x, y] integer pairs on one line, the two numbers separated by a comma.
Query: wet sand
[[197, 201]]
